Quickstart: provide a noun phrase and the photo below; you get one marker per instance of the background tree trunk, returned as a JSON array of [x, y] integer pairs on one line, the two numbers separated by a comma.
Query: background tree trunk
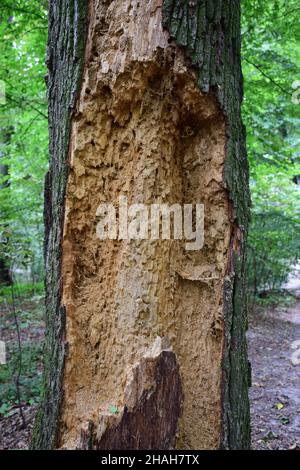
[[145, 343], [5, 275]]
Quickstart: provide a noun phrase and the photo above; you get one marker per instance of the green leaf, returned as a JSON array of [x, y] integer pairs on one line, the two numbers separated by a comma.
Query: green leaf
[[113, 409]]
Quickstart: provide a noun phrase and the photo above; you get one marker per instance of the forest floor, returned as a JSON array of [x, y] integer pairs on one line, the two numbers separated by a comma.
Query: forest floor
[[274, 351], [24, 311]]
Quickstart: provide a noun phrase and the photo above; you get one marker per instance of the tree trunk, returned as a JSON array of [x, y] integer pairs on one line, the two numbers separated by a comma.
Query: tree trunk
[[5, 275], [145, 345]]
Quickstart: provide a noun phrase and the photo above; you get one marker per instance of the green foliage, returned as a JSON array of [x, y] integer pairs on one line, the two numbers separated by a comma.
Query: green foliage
[[30, 381], [23, 134], [23, 292], [30, 316], [275, 299], [271, 55]]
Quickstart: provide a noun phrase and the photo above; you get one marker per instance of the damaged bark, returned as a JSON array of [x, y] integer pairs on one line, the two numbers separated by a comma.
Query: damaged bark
[[153, 398], [157, 119]]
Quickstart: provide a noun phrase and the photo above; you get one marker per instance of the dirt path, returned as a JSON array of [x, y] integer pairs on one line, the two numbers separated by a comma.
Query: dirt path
[[274, 352]]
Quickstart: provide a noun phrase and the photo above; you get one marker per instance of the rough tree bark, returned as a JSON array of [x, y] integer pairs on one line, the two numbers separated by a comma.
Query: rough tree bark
[[145, 344]]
